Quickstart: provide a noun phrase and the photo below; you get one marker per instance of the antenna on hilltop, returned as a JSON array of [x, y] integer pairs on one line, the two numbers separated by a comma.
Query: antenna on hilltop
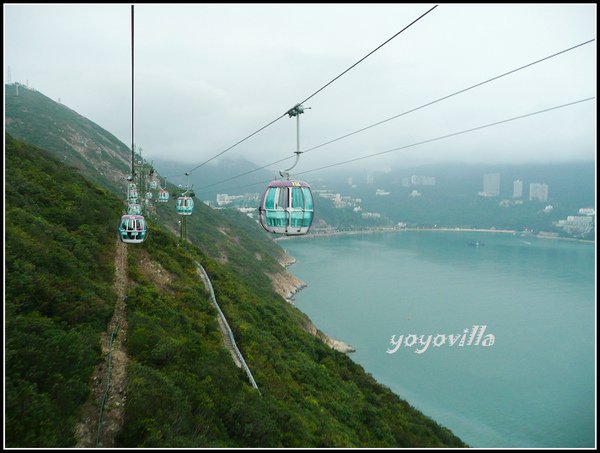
[[8, 75]]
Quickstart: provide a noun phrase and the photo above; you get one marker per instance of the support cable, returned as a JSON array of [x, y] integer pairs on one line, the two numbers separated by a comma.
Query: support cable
[[312, 95]]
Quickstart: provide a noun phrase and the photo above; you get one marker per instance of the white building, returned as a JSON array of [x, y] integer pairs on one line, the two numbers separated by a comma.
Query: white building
[[538, 191], [419, 180], [577, 225], [587, 211], [491, 185], [517, 188]]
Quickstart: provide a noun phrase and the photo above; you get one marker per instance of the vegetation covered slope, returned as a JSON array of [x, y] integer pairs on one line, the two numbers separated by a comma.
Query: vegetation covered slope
[[60, 238], [183, 388], [67, 135]]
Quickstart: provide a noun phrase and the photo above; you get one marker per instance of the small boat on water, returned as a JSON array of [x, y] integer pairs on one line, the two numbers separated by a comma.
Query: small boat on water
[[476, 243]]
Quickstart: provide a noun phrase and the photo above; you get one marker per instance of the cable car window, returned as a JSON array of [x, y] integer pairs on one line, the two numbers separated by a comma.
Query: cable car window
[[282, 201], [270, 201], [297, 198], [308, 198]]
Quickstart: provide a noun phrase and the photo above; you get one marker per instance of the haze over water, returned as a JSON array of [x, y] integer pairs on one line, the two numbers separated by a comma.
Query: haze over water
[[534, 387]]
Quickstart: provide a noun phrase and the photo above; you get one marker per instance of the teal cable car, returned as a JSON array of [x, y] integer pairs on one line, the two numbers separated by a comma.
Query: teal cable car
[[185, 205], [133, 229]]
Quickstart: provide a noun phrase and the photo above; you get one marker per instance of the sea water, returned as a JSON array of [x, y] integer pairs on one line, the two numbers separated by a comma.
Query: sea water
[[534, 386]]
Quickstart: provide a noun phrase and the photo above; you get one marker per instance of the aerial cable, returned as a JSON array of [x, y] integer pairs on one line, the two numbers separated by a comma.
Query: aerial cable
[[412, 110], [454, 134], [442, 137], [312, 95], [449, 95], [250, 171], [132, 104], [368, 55]]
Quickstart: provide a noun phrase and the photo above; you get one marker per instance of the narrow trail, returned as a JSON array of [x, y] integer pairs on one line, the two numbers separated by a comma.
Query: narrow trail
[[98, 428]]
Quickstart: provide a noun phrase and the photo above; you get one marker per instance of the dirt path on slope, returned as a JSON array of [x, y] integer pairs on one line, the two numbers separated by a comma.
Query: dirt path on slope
[[109, 388]]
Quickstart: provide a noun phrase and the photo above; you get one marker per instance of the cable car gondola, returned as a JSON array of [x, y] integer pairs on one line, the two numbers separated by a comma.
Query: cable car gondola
[[132, 193], [134, 209], [133, 229], [286, 207], [185, 205], [163, 196]]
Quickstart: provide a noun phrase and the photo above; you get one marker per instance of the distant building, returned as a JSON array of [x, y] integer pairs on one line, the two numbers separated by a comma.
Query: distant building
[[371, 215], [419, 180], [538, 191], [517, 188], [587, 211], [491, 185], [577, 225]]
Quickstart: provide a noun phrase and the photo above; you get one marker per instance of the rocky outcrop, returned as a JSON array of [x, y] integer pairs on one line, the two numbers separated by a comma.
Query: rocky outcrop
[[287, 285], [332, 343]]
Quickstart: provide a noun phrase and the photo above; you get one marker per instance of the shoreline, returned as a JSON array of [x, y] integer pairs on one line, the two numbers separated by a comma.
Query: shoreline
[[288, 285], [318, 234], [294, 285]]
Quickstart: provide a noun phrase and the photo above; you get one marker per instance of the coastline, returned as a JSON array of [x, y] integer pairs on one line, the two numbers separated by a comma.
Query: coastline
[[288, 285], [330, 233]]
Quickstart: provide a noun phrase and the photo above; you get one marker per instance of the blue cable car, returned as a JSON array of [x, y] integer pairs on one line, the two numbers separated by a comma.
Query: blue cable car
[[185, 205], [133, 229], [286, 207]]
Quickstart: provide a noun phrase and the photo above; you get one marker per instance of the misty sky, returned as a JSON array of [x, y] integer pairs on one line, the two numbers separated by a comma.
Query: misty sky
[[208, 75]]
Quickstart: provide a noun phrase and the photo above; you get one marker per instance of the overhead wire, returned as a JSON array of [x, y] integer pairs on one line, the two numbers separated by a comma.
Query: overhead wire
[[312, 95], [442, 137], [132, 103], [512, 71], [454, 134]]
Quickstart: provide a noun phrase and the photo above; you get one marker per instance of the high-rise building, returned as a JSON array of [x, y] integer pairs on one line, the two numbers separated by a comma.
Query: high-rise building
[[517, 188], [538, 191], [491, 185]]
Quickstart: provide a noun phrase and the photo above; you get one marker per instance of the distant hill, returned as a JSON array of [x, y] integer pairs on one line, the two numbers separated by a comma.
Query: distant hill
[[183, 389]]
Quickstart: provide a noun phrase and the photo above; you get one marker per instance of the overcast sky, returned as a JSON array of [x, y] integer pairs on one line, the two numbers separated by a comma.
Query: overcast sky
[[208, 75]]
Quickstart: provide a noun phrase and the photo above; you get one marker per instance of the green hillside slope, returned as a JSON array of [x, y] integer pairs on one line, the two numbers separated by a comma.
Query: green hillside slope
[[183, 388], [58, 293]]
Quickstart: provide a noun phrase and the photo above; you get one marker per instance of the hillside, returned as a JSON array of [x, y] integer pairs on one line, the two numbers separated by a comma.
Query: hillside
[[183, 389], [70, 137]]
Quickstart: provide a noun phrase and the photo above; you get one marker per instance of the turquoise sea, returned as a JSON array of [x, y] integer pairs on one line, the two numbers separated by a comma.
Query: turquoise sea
[[534, 387]]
